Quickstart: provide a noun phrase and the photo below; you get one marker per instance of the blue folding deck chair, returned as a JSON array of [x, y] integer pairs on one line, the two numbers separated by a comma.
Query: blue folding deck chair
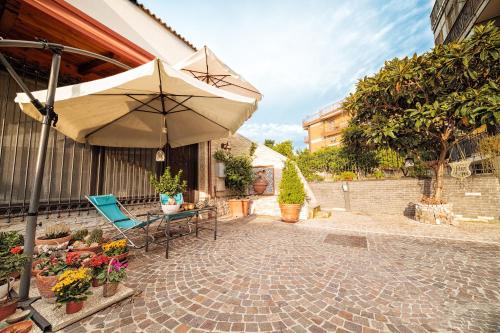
[[109, 207]]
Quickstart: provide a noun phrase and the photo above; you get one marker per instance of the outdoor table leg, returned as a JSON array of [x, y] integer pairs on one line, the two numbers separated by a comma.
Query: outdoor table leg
[[215, 228], [196, 222], [168, 237], [147, 235]]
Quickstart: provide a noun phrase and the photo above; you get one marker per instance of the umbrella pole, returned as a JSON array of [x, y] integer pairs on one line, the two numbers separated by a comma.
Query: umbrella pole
[[31, 221]]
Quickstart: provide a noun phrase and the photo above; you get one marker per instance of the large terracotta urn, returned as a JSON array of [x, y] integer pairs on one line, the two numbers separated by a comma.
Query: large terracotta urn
[[260, 183], [290, 212]]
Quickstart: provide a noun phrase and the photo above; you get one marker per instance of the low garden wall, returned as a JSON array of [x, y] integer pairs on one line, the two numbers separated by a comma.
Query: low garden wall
[[477, 197]]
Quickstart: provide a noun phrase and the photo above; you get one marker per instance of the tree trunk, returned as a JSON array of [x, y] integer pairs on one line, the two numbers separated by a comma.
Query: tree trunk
[[439, 172]]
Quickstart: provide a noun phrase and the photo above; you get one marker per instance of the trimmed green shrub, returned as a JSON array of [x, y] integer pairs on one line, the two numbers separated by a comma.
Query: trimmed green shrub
[[291, 187], [347, 175]]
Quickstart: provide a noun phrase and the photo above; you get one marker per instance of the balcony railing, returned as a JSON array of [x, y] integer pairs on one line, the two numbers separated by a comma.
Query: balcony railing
[[323, 111], [463, 20], [437, 10]]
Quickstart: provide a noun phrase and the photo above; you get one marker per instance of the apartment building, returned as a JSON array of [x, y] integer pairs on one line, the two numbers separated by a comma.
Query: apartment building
[[453, 20], [324, 128]]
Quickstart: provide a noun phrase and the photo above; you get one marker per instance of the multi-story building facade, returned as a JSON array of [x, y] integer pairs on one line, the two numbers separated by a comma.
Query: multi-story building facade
[[324, 128], [453, 20]]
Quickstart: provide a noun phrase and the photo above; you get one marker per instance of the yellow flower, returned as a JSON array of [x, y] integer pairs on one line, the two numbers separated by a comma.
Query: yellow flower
[[70, 277], [118, 244]]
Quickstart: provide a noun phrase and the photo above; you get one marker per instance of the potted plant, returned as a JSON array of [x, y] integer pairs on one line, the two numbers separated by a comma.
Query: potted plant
[[170, 189], [78, 259], [72, 288], [292, 194], [117, 249], [57, 235], [11, 242], [98, 264], [11, 261], [24, 326], [111, 277], [88, 242], [47, 278], [239, 176]]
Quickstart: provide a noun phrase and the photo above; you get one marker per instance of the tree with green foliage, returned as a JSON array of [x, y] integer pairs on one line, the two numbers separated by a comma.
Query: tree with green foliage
[[425, 104], [269, 143], [238, 170], [291, 187], [285, 148]]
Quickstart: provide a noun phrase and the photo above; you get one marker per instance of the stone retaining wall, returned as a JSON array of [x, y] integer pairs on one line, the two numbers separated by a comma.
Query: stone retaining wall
[[477, 197]]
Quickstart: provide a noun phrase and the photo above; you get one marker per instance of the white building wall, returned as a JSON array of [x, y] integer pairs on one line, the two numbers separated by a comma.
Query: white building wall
[[131, 22]]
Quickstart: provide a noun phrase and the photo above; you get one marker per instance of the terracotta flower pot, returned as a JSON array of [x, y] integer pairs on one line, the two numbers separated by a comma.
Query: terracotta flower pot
[[7, 308], [73, 307], [109, 289], [120, 257], [45, 284], [53, 242], [24, 326], [96, 283], [290, 212], [260, 185], [34, 271], [94, 249], [239, 207]]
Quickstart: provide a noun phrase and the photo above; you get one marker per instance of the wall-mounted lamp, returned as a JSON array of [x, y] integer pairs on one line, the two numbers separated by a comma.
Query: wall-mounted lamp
[[226, 146], [409, 162]]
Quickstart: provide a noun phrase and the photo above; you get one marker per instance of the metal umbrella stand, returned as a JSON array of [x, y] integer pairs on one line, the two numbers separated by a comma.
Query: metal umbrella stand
[[49, 119]]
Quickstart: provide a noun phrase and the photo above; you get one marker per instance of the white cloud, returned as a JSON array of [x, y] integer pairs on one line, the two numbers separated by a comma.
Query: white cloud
[[278, 132]]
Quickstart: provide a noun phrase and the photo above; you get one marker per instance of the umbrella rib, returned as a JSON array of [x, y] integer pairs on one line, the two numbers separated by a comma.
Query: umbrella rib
[[115, 120], [178, 104], [188, 108], [146, 104]]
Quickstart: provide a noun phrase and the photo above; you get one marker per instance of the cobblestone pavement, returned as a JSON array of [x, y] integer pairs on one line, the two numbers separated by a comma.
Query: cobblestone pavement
[[268, 276], [400, 225]]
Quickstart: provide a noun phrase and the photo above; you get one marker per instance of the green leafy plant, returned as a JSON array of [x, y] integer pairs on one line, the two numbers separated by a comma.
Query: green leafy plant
[[220, 155], [490, 151], [10, 239], [239, 174], [116, 272], [168, 184], [423, 105], [10, 262], [378, 174], [53, 266], [347, 175], [291, 187]]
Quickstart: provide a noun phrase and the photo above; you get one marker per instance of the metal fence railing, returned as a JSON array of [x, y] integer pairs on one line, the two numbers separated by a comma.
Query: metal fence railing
[[72, 171]]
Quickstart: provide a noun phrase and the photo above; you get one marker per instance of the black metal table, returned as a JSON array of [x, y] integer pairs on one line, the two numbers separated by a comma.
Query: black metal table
[[188, 216]]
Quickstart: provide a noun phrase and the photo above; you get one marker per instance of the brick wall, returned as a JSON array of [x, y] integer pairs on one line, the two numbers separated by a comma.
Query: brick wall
[[75, 220], [476, 197]]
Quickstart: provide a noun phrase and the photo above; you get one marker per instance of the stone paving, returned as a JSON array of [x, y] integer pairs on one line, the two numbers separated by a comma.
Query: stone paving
[[267, 276]]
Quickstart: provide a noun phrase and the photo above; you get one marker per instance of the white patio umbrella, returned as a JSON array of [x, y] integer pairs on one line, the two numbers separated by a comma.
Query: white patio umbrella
[[133, 108], [205, 66]]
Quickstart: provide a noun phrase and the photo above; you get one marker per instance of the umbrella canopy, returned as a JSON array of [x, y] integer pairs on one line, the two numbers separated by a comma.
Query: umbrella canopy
[[133, 108], [205, 66]]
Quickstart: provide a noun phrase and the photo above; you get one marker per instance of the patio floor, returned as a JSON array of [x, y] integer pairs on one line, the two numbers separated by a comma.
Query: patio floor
[[265, 275]]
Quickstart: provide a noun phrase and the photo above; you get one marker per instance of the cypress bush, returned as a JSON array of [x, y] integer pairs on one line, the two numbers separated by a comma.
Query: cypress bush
[[291, 187]]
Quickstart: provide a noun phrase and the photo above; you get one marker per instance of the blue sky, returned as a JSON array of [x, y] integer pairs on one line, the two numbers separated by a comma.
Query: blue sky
[[302, 55]]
